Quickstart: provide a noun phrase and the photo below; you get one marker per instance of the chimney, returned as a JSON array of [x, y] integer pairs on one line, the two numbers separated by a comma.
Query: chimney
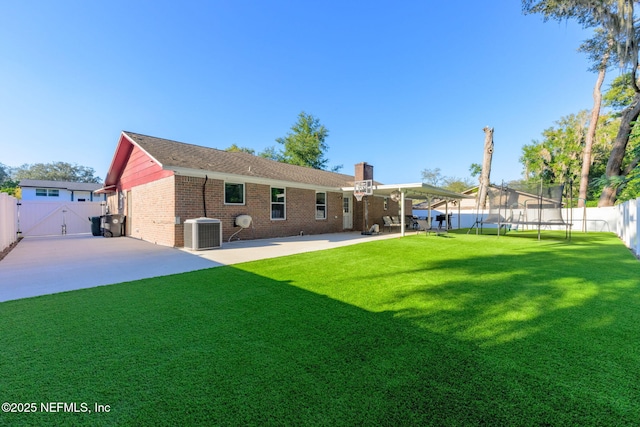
[[363, 171]]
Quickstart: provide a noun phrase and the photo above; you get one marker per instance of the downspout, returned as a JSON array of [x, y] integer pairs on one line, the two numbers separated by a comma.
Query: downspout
[[204, 200]]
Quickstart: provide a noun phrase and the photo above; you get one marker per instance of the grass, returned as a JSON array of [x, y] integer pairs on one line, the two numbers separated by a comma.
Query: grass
[[456, 330]]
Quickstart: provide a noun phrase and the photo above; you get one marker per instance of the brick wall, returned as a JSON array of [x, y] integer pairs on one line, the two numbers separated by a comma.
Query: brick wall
[[151, 211], [363, 171], [156, 211], [376, 210], [300, 210]]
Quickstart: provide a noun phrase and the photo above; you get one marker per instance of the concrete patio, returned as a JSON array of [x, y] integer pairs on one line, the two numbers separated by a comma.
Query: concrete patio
[[47, 265]]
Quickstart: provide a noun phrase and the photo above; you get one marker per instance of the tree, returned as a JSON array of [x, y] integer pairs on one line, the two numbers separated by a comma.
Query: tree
[[458, 185], [235, 149], [601, 46], [485, 173], [619, 96], [7, 184], [5, 173], [58, 171], [555, 159], [272, 153], [617, 20], [434, 177], [305, 145], [475, 169]]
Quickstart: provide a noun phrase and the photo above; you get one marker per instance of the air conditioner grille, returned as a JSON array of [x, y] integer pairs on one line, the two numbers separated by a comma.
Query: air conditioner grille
[[209, 235], [202, 233]]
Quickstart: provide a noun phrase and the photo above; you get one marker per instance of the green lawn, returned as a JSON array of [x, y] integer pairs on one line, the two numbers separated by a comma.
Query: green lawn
[[455, 330]]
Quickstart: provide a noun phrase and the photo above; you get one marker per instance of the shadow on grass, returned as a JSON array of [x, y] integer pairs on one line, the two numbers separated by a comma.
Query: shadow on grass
[[227, 347], [481, 340]]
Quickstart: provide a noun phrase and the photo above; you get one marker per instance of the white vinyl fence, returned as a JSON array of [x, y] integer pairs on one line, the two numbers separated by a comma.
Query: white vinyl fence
[[56, 218], [589, 219], [621, 219], [627, 224], [8, 220]]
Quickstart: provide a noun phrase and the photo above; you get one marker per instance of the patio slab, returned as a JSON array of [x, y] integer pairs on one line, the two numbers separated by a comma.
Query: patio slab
[[47, 265], [252, 250]]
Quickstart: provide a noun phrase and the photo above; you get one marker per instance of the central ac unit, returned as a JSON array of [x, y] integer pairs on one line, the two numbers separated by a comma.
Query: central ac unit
[[202, 233]]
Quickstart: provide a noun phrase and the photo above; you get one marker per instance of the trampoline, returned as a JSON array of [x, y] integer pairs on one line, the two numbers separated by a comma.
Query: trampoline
[[525, 206]]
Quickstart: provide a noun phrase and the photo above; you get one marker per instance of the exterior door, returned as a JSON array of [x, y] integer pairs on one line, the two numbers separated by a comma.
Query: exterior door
[[347, 211]]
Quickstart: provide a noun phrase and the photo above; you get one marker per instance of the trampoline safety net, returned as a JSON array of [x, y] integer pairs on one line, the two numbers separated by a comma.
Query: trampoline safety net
[[526, 206]]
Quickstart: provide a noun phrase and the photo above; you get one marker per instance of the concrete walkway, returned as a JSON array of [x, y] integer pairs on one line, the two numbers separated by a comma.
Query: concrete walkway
[[47, 265]]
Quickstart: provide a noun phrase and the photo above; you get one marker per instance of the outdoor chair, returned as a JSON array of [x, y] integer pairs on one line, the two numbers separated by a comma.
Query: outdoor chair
[[411, 222], [388, 222], [423, 225]]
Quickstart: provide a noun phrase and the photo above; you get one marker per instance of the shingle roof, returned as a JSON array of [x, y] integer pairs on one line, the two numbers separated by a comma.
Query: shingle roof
[[178, 154], [63, 185]]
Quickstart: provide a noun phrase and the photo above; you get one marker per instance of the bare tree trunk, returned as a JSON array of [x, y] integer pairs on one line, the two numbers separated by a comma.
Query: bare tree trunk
[[591, 134], [614, 165], [486, 166]]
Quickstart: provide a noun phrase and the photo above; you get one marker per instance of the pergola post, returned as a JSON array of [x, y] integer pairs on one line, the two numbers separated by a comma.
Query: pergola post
[[446, 214], [402, 213]]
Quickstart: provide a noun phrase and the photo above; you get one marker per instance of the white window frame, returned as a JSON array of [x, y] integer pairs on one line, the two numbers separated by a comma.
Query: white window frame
[[48, 192], [244, 188], [324, 205], [283, 203]]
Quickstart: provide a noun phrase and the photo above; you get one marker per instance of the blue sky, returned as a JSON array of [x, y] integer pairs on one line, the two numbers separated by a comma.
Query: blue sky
[[404, 85]]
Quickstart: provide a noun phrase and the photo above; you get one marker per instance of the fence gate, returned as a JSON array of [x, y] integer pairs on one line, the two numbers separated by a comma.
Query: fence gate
[[56, 218]]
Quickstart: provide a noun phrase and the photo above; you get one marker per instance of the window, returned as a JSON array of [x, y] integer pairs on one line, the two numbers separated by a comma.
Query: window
[[386, 203], [346, 204], [278, 200], [233, 194], [321, 205], [43, 192]]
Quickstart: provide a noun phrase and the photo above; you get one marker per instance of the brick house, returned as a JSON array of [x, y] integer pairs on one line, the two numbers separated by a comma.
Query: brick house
[[158, 184]]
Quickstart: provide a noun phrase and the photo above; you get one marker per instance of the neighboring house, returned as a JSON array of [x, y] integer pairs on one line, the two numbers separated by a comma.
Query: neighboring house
[[158, 184], [517, 198], [59, 191], [441, 205]]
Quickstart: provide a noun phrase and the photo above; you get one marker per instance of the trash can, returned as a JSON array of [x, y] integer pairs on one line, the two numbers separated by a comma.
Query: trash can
[[113, 225], [96, 228]]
